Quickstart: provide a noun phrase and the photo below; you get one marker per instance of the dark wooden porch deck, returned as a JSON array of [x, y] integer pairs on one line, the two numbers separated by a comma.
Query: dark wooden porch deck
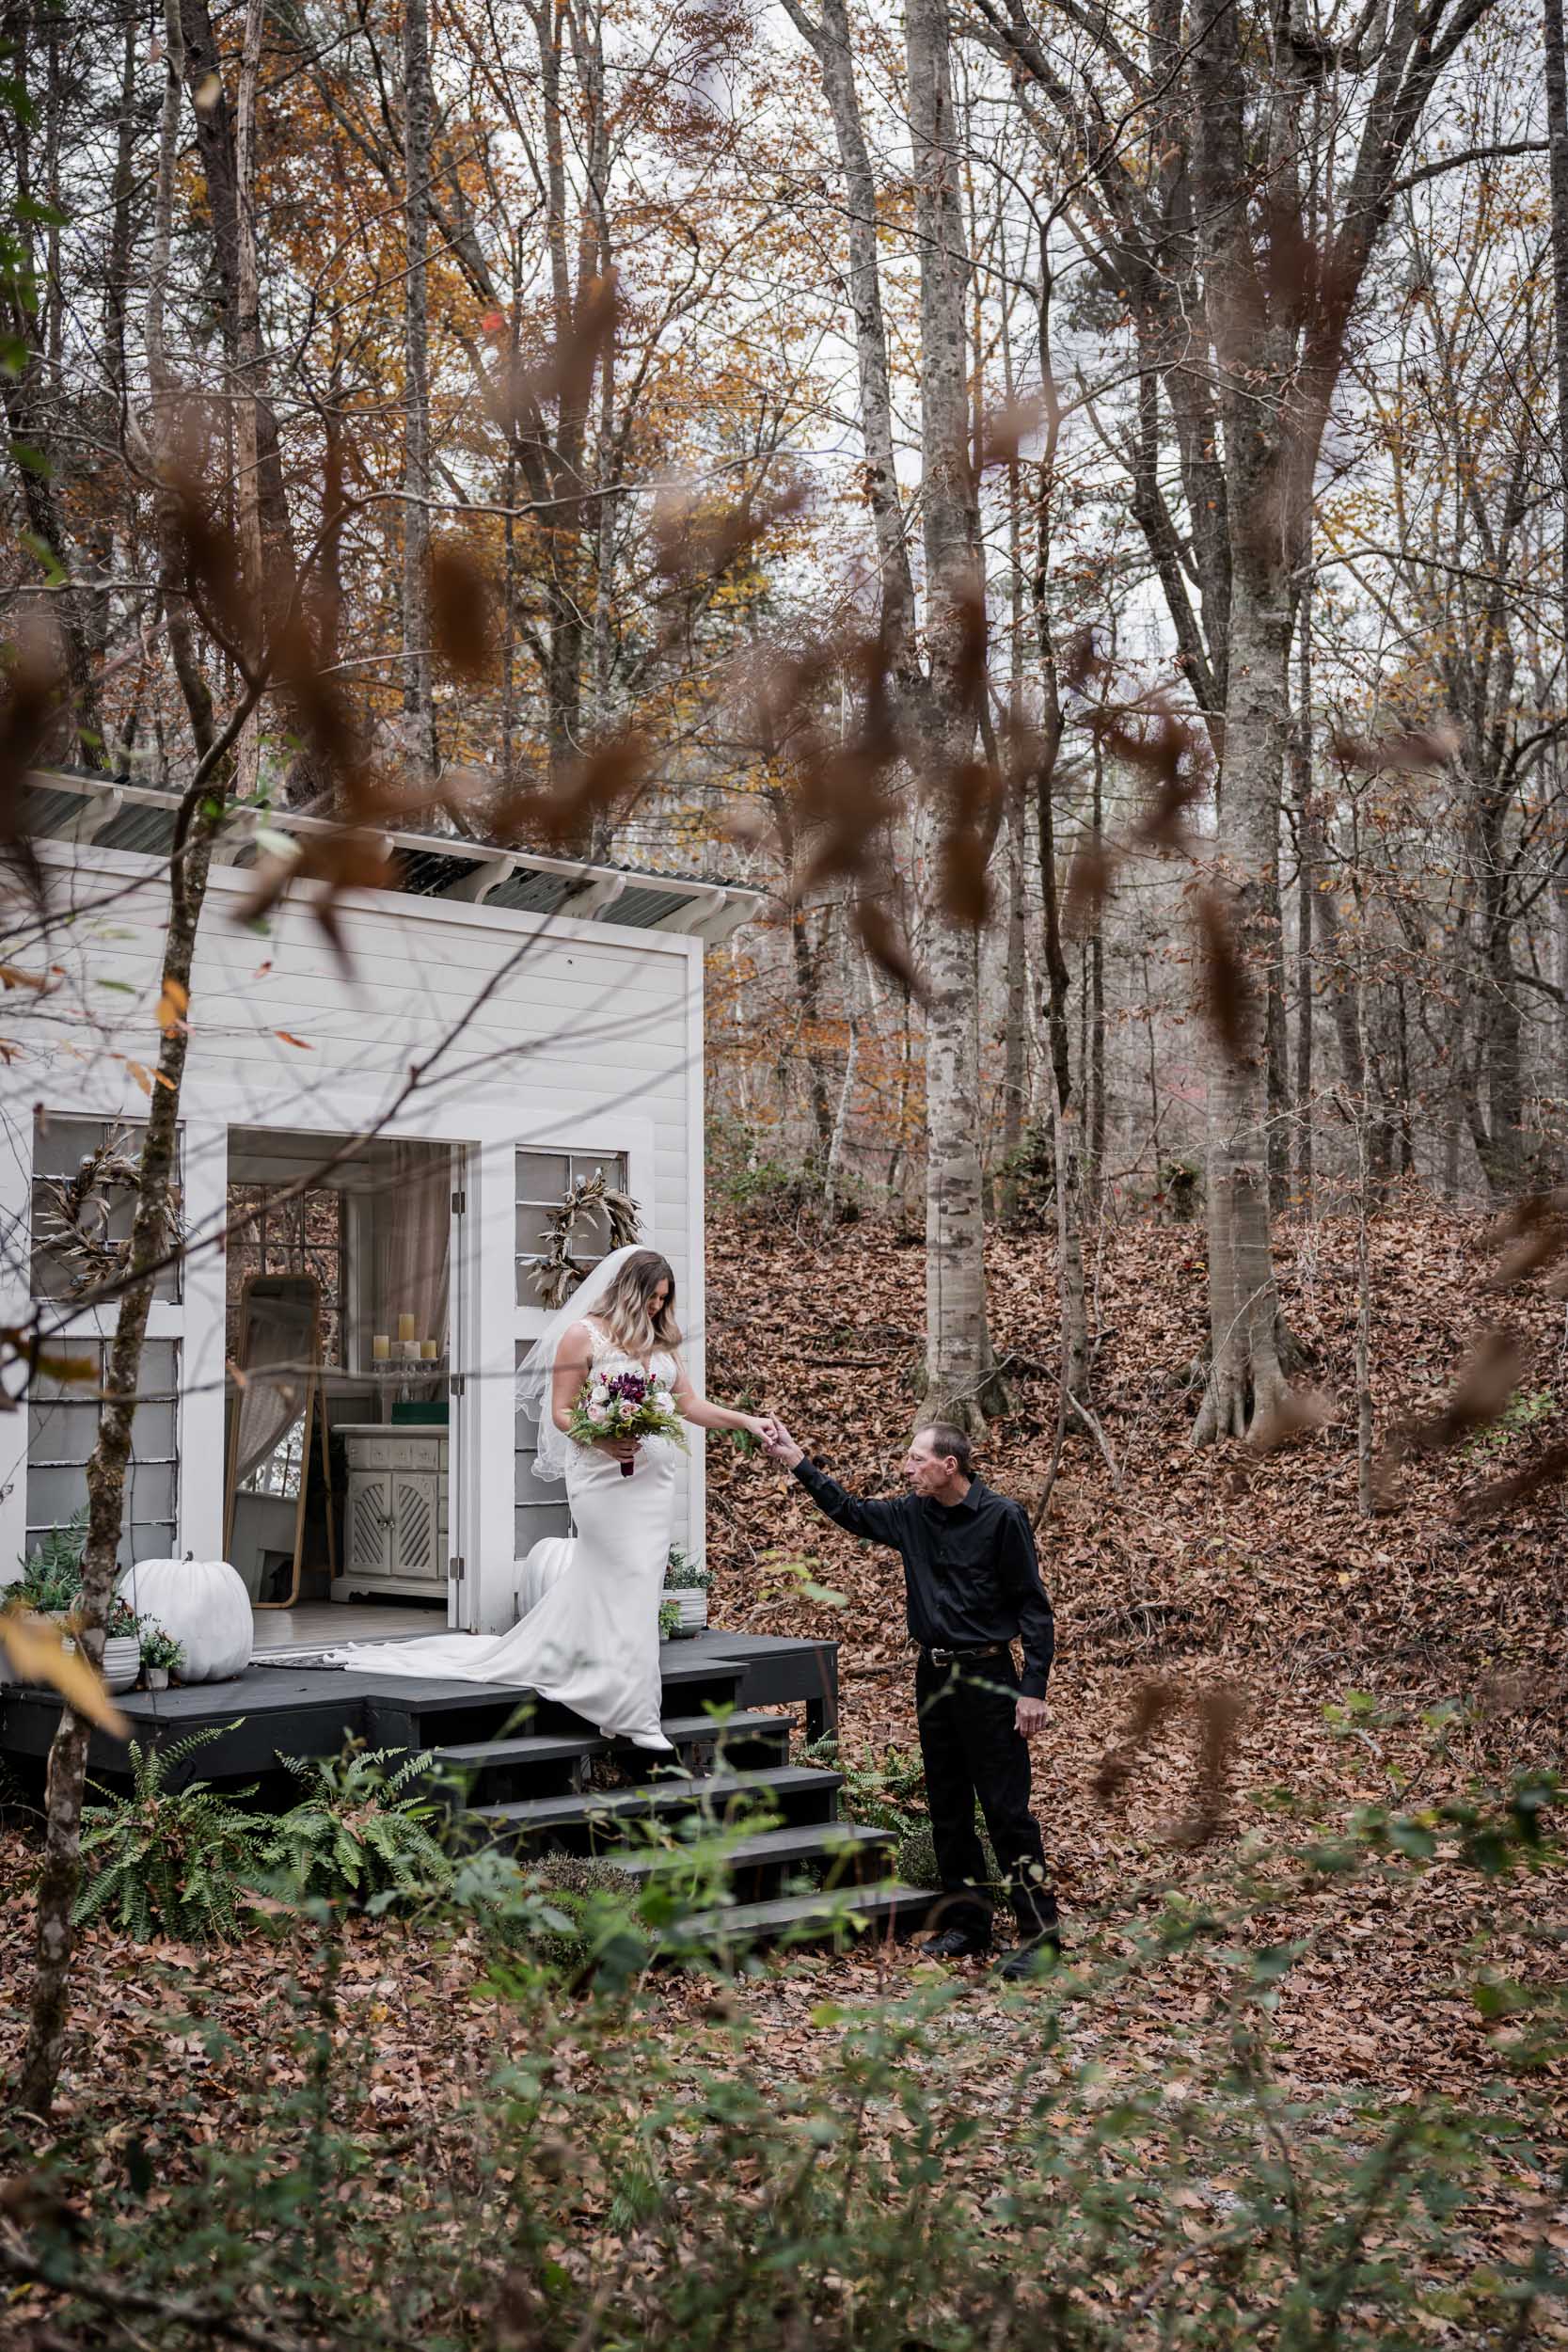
[[301, 1710]]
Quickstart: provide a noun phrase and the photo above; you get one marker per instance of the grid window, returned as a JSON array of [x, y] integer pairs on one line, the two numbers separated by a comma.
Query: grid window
[[538, 1509], [64, 1267], [279, 1229], [62, 1429], [544, 1179]]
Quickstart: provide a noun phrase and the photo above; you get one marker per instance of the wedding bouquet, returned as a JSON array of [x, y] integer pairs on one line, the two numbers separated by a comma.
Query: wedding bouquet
[[626, 1404]]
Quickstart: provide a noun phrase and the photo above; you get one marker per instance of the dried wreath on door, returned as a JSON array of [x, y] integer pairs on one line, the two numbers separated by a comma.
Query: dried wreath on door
[[556, 1270], [71, 1215]]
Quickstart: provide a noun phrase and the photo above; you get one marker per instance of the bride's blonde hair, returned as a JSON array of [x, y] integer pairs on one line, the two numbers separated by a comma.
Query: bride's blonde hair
[[624, 1311]]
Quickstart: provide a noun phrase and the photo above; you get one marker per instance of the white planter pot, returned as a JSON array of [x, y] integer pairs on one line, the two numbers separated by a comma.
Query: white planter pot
[[121, 1662], [157, 1677], [692, 1606]]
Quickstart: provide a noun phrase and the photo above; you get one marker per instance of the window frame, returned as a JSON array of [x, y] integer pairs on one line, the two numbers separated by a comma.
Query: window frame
[[578, 1164]]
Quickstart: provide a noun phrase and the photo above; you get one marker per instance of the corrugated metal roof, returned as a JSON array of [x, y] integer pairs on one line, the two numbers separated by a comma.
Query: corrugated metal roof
[[123, 815]]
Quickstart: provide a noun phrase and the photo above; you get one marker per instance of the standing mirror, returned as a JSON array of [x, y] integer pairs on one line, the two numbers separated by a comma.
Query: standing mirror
[[274, 1421]]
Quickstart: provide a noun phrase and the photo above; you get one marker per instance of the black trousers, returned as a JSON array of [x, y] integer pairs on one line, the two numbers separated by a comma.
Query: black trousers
[[971, 1748]]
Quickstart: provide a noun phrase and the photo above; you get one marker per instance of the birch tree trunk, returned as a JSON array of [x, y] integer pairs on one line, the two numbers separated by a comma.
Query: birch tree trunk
[[418, 702], [939, 703], [957, 1363]]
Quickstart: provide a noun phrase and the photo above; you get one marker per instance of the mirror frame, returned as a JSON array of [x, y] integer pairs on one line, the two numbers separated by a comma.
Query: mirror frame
[[315, 1420]]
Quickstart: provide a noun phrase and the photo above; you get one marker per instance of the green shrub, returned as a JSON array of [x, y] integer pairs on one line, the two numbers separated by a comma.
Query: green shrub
[[861, 2175], [356, 1836], [179, 1861]]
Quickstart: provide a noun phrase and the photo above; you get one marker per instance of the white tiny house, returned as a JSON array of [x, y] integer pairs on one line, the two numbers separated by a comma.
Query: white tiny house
[[387, 1137]]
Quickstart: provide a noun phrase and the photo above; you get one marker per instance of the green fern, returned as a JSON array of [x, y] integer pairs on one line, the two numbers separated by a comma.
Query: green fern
[[355, 1834], [177, 1861], [50, 1579]]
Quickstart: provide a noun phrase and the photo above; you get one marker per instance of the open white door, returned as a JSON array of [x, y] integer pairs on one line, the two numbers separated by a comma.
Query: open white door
[[460, 1469]]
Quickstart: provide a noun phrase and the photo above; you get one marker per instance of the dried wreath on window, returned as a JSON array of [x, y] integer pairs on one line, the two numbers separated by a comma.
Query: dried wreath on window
[[556, 1272], [73, 1214]]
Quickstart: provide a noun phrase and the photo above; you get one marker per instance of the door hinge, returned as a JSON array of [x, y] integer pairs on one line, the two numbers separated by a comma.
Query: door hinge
[[456, 1385], [459, 1203], [456, 1569]]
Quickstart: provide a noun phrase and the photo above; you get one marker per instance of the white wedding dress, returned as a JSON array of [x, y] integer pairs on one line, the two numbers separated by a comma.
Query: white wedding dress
[[591, 1643]]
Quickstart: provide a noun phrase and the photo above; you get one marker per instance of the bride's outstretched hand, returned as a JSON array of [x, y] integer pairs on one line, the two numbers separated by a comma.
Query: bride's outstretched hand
[[779, 1446]]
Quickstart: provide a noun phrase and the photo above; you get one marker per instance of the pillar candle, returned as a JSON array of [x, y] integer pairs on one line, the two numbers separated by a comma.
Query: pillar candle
[[381, 1348], [406, 1327], [428, 1350]]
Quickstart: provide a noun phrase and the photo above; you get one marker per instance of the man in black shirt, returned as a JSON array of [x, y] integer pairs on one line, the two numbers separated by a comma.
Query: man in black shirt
[[973, 1584]]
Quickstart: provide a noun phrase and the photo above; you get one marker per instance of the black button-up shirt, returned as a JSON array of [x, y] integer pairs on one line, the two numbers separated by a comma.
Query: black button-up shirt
[[971, 1576]]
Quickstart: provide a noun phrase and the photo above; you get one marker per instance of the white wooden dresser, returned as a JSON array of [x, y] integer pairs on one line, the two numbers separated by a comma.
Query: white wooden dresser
[[395, 1511]]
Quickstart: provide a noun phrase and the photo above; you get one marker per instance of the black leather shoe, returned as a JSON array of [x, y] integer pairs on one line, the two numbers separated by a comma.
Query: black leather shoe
[[1028, 1961], [957, 1944]]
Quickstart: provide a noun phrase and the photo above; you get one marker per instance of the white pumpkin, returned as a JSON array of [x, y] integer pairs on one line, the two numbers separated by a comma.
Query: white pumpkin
[[203, 1605]]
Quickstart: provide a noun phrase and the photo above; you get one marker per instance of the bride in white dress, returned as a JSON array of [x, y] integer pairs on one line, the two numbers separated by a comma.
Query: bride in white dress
[[591, 1643]]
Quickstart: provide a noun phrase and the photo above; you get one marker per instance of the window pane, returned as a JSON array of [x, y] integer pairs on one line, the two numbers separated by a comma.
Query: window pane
[[62, 1427], [542, 1176], [591, 1234], [60, 1432], [533, 1523], [65, 1224], [612, 1166], [532, 1230]]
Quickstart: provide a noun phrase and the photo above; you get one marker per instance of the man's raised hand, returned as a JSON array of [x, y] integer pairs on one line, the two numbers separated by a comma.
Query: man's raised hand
[[779, 1446]]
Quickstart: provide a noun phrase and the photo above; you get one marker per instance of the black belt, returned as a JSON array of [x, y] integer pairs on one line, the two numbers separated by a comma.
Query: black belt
[[956, 1656]]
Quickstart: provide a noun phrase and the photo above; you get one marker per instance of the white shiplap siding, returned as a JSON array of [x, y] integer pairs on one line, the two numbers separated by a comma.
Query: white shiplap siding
[[590, 1039]]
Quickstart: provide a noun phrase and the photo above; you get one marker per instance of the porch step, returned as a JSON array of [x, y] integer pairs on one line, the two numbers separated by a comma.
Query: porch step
[[546, 1763], [891, 1909], [843, 1852], [798, 1791]]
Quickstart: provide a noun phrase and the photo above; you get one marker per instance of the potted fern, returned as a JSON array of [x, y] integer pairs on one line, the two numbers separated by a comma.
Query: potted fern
[[50, 1585], [686, 1587], [669, 1620]]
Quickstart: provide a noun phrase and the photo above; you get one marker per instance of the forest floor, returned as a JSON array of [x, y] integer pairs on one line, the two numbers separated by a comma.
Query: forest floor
[[1213, 1567], [1205, 1569]]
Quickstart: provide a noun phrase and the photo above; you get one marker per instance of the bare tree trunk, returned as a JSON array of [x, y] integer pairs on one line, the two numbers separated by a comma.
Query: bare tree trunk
[[1556, 135], [941, 704], [417, 700], [957, 1352], [1014, 1055], [190, 859], [1066, 1131], [1245, 1376], [851, 969], [1306, 896], [1364, 1483], [60, 1875], [808, 996], [248, 371], [1093, 1064]]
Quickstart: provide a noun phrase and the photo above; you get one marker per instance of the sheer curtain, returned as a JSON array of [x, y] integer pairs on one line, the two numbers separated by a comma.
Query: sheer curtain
[[278, 1343], [413, 1242]]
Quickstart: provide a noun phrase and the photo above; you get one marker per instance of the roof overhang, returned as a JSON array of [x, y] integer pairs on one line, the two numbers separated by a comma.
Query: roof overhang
[[110, 812]]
